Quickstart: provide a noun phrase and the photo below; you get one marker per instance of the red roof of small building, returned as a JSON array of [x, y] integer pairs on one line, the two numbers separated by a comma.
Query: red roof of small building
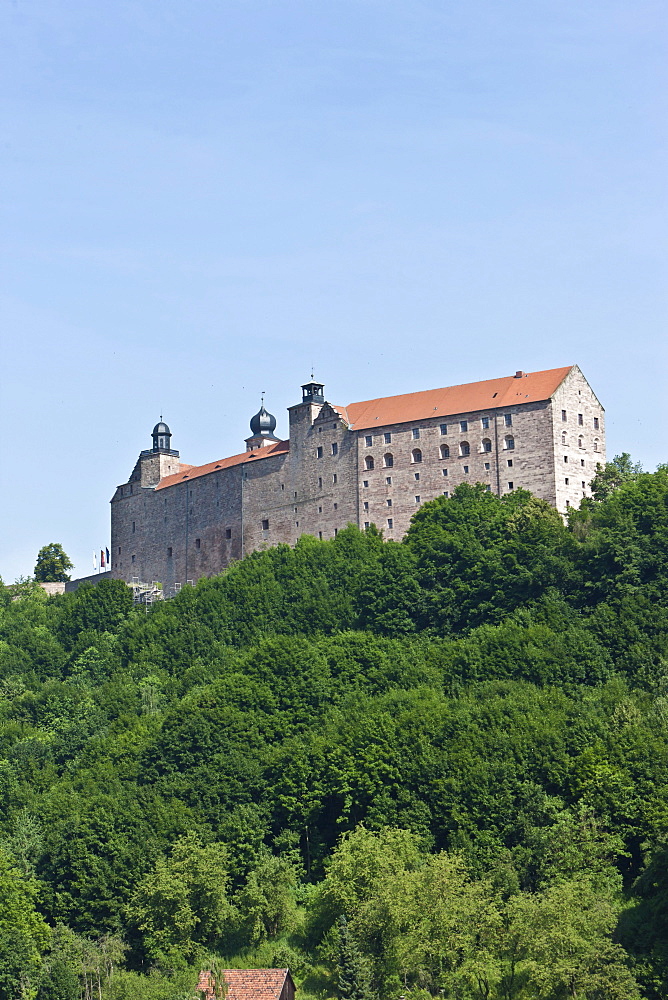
[[510, 390], [246, 984]]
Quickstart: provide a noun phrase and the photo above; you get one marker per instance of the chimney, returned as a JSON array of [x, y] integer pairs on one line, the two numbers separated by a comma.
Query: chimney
[[519, 374]]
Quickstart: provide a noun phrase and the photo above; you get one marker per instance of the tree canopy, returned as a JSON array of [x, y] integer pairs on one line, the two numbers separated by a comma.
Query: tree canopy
[[434, 768]]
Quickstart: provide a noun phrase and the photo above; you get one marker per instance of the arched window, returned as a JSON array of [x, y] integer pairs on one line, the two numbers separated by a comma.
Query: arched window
[[509, 442], [486, 444], [368, 463], [388, 461], [445, 451], [595, 444], [580, 445], [464, 448], [564, 437], [416, 455]]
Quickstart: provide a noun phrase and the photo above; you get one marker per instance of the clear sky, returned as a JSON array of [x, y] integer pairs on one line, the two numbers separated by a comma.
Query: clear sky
[[199, 199]]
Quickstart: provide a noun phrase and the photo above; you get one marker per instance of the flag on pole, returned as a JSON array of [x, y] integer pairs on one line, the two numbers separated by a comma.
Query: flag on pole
[[108, 559], [94, 561], [102, 563]]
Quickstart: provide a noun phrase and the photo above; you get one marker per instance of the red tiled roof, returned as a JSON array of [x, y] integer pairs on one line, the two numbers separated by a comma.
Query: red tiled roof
[[187, 472], [530, 388], [247, 984]]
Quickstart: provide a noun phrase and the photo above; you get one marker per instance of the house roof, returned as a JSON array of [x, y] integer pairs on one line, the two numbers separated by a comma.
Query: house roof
[[248, 984], [187, 472], [531, 387]]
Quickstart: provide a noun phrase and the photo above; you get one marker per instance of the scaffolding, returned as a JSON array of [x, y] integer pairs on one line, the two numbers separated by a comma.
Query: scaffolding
[[146, 593]]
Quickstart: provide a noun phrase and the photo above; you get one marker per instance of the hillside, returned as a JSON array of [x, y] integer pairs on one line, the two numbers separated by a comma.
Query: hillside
[[434, 768]]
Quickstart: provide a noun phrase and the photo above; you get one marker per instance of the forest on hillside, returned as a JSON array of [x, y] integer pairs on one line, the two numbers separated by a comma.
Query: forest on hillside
[[434, 768]]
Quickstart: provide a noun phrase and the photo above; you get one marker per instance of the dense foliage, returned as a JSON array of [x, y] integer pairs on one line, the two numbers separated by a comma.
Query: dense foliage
[[435, 768]]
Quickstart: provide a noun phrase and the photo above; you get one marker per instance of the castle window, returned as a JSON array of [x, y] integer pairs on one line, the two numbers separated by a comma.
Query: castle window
[[583, 484], [566, 480], [265, 524], [388, 502], [445, 451], [580, 420], [486, 444], [511, 486], [466, 470], [366, 504], [510, 463], [582, 462], [319, 482], [565, 458], [509, 443], [119, 550], [334, 479], [416, 455], [335, 448], [416, 477], [595, 444], [334, 426], [416, 433], [319, 452], [417, 499], [508, 419], [169, 552], [133, 527], [485, 423], [464, 448], [463, 426], [387, 438], [133, 558], [390, 523], [296, 524], [445, 493], [444, 428], [388, 480], [365, 484], [320, 535], [282, 486], [336, 506], [388, 460], [563, 416], [368, 463], [366, 524], [319, 510], [198, 543], [488, 488], [595, 423], [336, 531], [445, 472], [368, 440], [486, 466], [580, 444], [564, 438], [228, 532]]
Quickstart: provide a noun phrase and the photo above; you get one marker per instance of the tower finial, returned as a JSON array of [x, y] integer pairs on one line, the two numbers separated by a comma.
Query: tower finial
[[262, 398]]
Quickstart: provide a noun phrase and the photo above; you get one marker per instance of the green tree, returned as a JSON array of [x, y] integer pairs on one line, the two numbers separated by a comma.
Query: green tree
[[182, 905], [23, 934], [613, 474], [353, 970], [52, 564]]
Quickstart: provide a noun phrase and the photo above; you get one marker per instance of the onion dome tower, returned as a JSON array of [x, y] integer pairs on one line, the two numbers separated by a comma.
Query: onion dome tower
[[262, 425]]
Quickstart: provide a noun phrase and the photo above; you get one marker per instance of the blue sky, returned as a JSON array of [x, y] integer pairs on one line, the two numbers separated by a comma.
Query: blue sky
[[201, 199]]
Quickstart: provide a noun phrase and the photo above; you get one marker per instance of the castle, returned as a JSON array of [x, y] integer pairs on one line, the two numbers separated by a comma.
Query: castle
[[372, 462]]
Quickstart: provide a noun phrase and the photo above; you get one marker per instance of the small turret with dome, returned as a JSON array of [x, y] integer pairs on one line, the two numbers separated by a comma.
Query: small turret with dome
[[262, 425], [162, 436]]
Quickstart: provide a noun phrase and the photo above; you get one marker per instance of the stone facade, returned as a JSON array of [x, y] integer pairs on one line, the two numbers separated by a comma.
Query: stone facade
[[368, 463]]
